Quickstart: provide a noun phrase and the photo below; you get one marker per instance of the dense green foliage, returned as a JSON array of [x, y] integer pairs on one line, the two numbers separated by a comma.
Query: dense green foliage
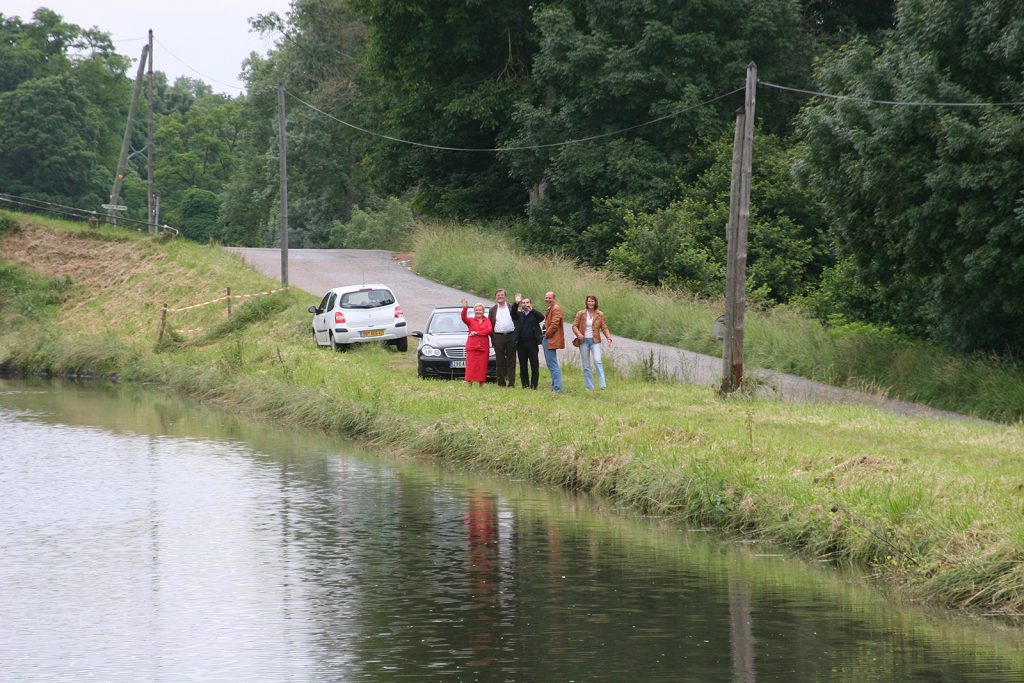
[[909, 218], [61, 88], [683, 245], [608, 65], [926, 204]]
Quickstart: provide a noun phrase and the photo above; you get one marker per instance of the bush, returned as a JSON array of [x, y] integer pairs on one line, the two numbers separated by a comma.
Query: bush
[[387, 227], [8, 223], [200, 211]]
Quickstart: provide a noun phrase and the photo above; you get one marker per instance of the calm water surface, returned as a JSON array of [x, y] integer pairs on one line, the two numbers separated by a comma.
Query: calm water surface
[[144, 538]]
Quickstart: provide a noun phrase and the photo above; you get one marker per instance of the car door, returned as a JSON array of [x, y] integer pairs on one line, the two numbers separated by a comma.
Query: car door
[[320, 320]]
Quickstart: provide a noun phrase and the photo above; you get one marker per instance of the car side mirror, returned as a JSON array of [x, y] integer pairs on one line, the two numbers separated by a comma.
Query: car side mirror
[[417, 334], [314, 310]]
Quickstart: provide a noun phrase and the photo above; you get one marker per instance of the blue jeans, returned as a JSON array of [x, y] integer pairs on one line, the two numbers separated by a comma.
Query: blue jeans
[[587, 349], [551, 360]]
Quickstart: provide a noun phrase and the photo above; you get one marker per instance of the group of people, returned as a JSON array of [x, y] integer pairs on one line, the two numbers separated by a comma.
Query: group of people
[[517, 331]]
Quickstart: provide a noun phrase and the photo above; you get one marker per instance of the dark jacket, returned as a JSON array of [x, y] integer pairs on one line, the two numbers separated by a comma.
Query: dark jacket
[[528, 325]]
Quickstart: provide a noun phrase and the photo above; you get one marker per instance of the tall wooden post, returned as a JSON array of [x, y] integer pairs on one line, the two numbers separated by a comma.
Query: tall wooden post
[[122, 159], [730, 262], [737, 286], [282, 149], [149, 139]]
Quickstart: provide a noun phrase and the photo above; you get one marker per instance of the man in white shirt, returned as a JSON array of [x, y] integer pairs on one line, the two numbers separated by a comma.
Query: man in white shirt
[[503, 320]]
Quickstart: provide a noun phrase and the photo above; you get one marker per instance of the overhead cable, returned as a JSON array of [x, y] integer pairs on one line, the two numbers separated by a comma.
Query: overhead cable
[[63, 209], [518, 148], [189, 66], [896, 103]]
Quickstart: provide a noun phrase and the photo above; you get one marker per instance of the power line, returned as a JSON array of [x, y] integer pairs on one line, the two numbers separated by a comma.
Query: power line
[[65, 210], [195, 70], [516, 148], [898, 103]]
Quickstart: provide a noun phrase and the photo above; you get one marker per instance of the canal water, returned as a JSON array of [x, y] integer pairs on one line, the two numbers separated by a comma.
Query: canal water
[[145, 538]]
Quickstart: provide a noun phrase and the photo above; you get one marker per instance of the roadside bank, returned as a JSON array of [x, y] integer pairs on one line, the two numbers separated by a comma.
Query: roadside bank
[[933, 508]]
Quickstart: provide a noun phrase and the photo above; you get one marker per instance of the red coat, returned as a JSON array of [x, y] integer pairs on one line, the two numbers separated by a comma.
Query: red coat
[[478, 347]]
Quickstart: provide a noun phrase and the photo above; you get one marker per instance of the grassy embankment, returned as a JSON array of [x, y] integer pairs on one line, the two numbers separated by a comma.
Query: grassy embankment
[[935, 509], [783, 340]]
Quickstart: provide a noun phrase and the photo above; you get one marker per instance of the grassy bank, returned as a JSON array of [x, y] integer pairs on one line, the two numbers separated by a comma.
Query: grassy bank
[[934, 509], [853, 356]]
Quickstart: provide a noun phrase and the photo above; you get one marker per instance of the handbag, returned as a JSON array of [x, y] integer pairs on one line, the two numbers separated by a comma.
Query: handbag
[[576, 341]]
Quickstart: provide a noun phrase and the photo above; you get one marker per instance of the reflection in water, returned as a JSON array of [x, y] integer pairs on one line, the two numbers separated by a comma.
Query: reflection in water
[[147, 539], [741, 636]]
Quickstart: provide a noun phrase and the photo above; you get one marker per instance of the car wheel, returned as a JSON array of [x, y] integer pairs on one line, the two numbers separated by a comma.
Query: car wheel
[[420, 371], [402, 344], [336, 346]]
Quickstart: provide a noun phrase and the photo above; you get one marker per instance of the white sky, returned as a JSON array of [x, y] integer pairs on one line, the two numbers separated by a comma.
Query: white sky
[[200, 39]]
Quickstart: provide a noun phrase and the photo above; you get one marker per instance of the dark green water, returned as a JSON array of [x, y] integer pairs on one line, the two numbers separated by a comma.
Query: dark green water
[[143, 538]]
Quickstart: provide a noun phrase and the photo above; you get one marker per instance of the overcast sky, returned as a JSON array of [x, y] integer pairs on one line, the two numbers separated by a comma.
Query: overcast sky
[[204, 39]]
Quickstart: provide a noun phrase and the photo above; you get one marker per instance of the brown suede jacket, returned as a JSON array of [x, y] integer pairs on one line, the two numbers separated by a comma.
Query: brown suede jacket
[[579, 325], [553, 329]]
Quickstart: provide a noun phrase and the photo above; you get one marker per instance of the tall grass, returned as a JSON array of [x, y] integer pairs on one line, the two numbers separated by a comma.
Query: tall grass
[[861, 357], [933, 508]]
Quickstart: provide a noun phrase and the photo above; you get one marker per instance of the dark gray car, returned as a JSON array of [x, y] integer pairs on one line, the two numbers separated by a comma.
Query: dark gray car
[[442, 348]]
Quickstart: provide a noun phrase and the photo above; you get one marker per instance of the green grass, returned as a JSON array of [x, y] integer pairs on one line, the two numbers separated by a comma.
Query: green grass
[[481, 260], [934, 509]]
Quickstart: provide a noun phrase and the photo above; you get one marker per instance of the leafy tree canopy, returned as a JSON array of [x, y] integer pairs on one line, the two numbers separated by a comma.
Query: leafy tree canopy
[[608, 65], [928, 202]]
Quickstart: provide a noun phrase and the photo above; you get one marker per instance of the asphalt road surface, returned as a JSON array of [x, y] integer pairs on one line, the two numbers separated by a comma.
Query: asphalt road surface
[[317, 270]]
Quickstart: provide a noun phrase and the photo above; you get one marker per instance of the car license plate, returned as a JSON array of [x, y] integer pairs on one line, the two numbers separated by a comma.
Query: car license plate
[[457, 364], [372, 333]]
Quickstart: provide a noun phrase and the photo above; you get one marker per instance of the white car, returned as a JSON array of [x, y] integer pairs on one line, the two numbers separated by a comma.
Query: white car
[[359, 313]]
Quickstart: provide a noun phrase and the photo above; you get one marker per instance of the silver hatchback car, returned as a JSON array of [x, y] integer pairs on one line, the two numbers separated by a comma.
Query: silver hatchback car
[[359, 313]]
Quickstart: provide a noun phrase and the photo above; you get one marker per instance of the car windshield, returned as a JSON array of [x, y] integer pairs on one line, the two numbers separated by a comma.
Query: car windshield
[[447, 322], [366, 298]]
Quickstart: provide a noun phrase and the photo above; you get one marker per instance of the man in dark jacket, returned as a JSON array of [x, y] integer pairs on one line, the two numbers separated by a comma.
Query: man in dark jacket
[[528, 337]]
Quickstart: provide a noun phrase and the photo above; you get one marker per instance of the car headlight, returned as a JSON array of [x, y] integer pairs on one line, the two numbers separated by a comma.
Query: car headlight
[[428, 350]]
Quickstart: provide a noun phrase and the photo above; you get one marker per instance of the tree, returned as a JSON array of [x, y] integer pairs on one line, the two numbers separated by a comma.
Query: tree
[[684, 245], [50, 139], [927, 203], [320, 61], [609, 65], [447, 73], [62, 90], [199, 213], [198, 149]]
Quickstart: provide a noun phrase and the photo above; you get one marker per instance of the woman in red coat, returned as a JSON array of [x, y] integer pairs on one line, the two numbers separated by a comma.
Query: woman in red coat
[[478, 344]]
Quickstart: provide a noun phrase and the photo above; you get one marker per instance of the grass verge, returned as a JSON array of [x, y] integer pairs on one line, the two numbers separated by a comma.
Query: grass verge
[[933, 509], [481, 260]]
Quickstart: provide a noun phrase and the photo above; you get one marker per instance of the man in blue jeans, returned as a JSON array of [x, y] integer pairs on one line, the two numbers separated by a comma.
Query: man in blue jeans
[[554, 339]]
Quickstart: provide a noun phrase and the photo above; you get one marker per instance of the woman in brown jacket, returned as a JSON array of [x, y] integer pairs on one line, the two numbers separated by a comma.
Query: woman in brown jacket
[[588, 326]]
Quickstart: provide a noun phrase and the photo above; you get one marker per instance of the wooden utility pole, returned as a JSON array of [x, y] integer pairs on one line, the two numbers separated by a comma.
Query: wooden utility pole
[[282, 149], [732, 359], [730, 259], [149, 139], [122, 160]]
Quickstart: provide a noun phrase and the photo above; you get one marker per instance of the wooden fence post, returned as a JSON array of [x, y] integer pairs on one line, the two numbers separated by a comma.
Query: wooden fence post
[[229, 302], [163, 324]]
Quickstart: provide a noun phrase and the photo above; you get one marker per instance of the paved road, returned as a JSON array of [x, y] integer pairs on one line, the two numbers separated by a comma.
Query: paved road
[[317, 270]]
